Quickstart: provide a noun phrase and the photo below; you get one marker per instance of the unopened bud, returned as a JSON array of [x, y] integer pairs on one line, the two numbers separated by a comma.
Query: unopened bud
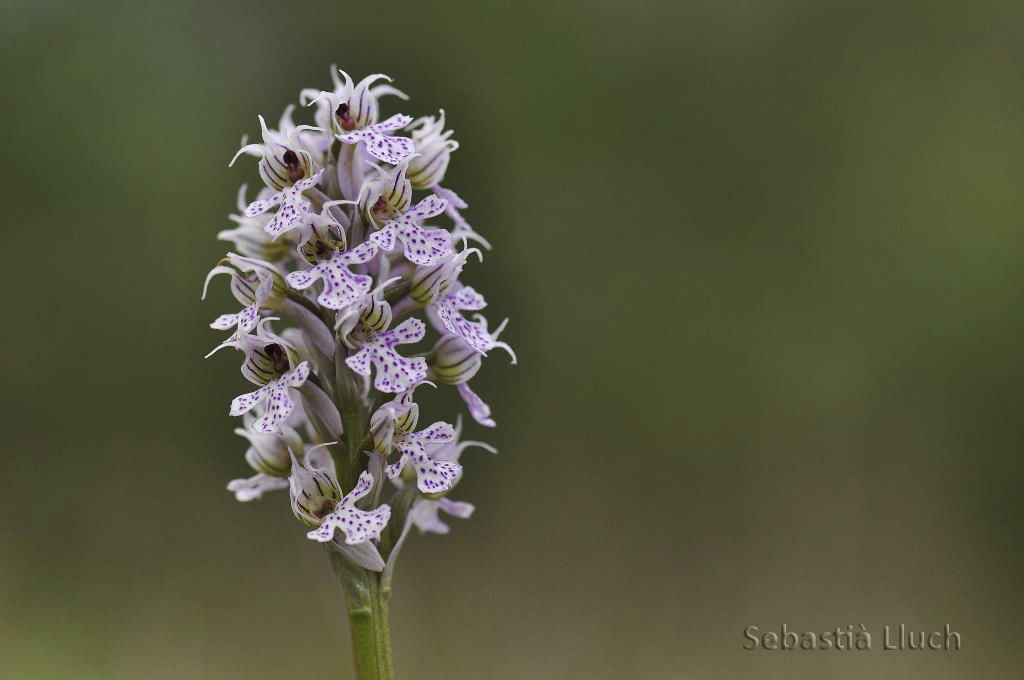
[[428, 283], [270, 453], [433, 151], [452, 361]]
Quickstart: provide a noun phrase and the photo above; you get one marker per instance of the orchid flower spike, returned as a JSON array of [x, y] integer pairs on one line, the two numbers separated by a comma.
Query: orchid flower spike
[[347, 266]]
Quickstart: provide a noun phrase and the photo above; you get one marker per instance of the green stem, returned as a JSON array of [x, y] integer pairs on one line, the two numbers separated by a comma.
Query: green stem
[[354, 414], [368, 619]]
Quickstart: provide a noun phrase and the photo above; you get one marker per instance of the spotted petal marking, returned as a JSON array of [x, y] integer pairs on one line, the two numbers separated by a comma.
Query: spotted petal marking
[[246, 319], [432, 475], [341, 287], [424, 247], [391, 150], [275, 393], [358, 525], [462, 227], [294, 206], [395, 122], [473, 332], [394, 373], [478, 408]]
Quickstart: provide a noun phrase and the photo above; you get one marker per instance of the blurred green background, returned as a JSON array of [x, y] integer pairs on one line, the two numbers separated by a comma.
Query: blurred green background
[[762, 261]]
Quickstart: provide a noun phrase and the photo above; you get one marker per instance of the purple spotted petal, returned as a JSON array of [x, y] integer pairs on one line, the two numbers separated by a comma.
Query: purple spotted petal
[[244, 403], [247, 319], [279, 403], [432, 475], [395, 122], [473, 332], [342, 288], [360, 362], [394, 373], [467, 298], [438, 433], [294, 210], [410, 330], [391, 150], [297, 376], [261, 206], [357, 525], [424, 247], [385, 238], [363, 486], [431, 206], [224, 321], [478, 408]]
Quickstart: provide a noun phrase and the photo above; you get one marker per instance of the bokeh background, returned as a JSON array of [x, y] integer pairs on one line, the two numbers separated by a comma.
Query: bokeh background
[[763, 263]]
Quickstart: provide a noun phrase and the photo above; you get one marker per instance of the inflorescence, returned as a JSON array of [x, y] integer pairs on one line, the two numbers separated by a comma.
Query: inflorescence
[[339, 276]]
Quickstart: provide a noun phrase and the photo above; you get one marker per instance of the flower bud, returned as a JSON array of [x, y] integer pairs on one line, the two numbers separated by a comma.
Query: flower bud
[[452, 361], [246, 276], [428, 283], [270, 453], [433, 151], [250, 237]]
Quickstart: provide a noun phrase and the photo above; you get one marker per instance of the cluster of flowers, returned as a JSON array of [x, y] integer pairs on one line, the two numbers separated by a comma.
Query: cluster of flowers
[[335, 247]]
